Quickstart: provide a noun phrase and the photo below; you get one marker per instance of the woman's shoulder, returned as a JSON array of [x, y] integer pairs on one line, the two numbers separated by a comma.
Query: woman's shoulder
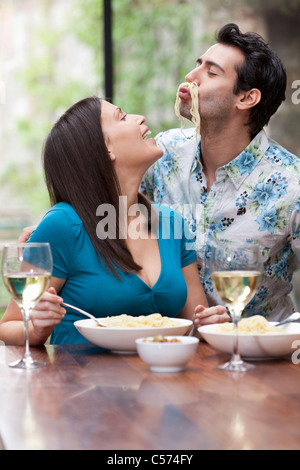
[[63, 213], [60, 222]]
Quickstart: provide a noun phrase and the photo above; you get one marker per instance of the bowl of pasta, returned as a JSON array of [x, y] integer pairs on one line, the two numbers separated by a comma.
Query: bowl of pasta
[[167, 353], [258, 338], [121, 331]]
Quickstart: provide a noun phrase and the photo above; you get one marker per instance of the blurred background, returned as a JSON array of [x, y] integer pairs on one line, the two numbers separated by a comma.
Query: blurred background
[[52, 54]]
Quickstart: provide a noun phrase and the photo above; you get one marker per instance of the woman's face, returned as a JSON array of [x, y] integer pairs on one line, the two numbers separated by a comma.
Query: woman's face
[[125, 136]]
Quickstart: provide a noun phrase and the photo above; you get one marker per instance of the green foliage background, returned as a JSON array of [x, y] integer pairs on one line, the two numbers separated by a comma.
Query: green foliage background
[[152, 53], [155, 44]]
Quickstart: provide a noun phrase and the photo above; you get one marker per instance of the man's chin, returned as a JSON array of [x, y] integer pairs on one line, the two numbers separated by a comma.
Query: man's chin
[[186, 113]]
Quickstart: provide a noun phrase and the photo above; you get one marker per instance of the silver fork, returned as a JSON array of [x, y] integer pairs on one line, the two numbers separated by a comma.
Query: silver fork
[[84, 313], [292, 318]]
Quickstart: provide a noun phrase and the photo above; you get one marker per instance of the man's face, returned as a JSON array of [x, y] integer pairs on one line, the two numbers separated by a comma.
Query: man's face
[[215, 75]]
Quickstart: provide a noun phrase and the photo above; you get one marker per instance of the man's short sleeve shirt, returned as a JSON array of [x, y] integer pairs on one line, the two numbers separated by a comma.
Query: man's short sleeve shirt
[[255, 197]]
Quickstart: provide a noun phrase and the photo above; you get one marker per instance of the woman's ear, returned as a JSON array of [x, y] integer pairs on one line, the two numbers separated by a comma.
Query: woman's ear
[[109, 149], [248, 99]]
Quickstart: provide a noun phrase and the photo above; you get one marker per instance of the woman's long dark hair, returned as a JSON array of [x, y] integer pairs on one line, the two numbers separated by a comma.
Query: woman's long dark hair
[[79, 171]]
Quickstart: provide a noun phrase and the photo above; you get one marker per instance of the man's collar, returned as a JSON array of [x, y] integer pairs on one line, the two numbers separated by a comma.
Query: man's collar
[[242, 165]]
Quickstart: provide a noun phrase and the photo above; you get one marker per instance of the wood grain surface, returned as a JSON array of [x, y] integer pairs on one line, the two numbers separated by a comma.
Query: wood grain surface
[[87, 399]]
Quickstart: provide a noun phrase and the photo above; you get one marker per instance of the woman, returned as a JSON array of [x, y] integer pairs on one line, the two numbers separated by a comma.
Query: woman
[[107, 260]]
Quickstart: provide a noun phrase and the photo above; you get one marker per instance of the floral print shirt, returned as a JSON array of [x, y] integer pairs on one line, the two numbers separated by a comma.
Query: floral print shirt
[[256, 197]]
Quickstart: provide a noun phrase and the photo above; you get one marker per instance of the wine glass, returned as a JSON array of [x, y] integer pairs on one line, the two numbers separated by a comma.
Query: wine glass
[[236, 271], [26, 272]]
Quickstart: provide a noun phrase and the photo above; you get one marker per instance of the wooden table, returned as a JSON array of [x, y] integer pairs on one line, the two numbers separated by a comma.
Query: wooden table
[[87, 399]]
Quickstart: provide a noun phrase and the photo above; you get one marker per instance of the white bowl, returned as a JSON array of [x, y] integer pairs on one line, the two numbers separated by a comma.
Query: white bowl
[[123, 339], [258, 346], [167, 357]]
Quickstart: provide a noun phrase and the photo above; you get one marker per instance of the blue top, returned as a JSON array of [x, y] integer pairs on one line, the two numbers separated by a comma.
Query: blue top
[[89, 284]]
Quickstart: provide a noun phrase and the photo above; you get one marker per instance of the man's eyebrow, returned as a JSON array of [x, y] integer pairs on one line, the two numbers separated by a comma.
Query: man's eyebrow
[[211, 64]]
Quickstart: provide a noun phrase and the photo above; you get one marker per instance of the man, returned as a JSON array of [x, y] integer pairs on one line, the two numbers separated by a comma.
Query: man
[[235, 184]]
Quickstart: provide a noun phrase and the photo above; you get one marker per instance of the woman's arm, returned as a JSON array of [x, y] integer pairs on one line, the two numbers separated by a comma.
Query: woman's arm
[[196, 307], [47, 313]]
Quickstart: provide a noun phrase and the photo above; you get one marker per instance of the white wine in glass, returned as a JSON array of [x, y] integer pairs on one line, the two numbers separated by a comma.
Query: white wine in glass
[[26, 273], [236, 271]]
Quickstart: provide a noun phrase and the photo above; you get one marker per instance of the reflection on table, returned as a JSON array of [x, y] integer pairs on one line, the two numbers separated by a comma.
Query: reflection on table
[[88, 399]]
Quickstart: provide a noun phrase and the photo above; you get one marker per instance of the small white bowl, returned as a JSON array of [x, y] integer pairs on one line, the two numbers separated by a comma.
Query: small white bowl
[[166, 356]]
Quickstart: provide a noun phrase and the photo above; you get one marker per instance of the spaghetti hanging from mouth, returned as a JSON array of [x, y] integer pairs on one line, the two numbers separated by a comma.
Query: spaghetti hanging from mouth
[[193, 89]]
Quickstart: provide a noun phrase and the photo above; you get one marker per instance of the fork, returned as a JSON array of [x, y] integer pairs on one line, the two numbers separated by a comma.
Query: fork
[[84, 313], [292, 318]]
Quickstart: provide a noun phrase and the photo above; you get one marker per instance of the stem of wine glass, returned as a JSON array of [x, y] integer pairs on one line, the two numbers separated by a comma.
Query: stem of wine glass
[[236, 355], [236, 315], [27, 359]]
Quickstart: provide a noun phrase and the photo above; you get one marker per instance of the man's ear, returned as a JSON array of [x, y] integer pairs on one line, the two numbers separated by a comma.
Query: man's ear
[[248, 99]]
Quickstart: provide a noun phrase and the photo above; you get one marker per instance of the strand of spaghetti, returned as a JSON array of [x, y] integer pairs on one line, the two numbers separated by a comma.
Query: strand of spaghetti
[[193, 89]]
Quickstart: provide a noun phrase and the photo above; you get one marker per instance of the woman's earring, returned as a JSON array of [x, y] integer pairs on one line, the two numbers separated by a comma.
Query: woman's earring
[[112, 155]]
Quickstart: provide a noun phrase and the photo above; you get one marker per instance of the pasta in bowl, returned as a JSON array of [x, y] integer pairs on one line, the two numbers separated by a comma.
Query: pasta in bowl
[[256, 325], [258, 338], [121, 331], [154, 320]]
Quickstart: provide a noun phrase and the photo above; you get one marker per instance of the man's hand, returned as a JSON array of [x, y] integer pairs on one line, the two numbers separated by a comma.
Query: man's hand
[[25, 234], [209, 315]]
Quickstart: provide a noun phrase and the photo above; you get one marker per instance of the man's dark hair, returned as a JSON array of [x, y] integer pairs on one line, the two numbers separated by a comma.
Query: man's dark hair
[[262, 69]]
